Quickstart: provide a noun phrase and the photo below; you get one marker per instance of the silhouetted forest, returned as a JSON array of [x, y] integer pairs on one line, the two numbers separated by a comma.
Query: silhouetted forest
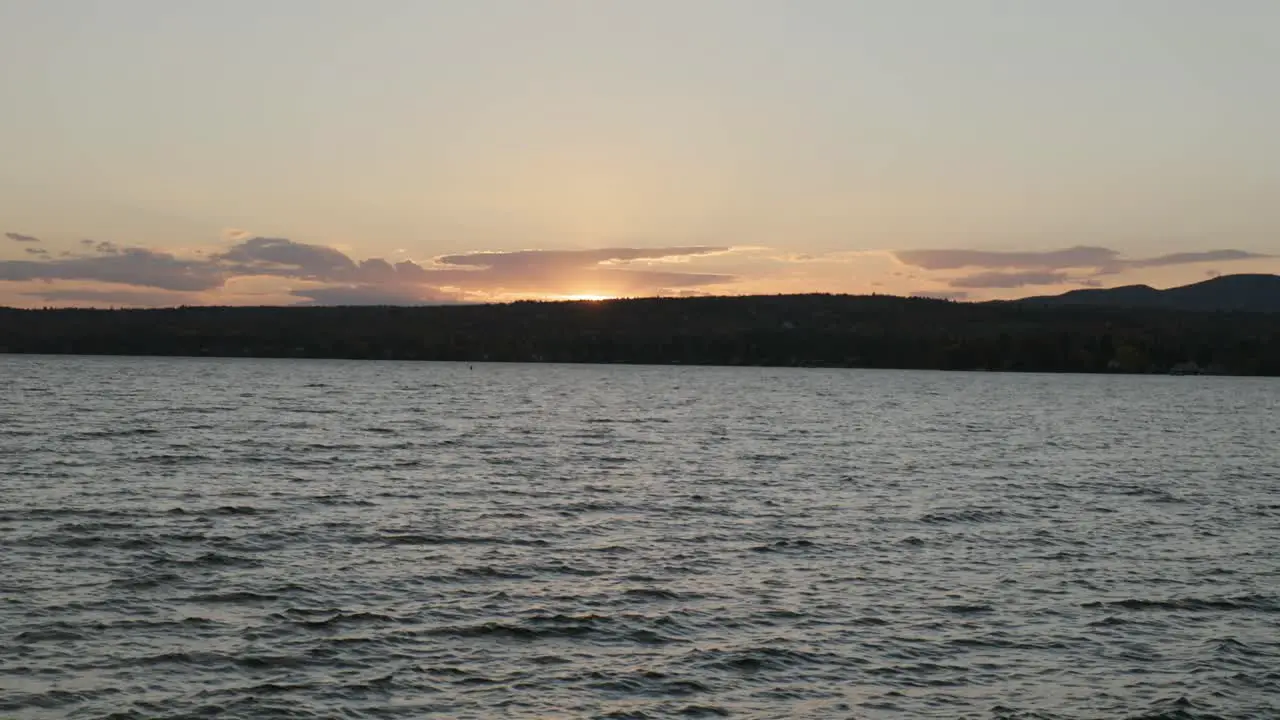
[[786, 330]]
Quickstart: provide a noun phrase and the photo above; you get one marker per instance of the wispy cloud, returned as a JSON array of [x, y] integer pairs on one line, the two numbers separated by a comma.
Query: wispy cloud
[[1079, 257], [129, 266], [19, 237], [119, 297], [1075, 257], [368, 295], [1081, 264], [602, 271], [997, 279], [524, 260], [1191, 258]]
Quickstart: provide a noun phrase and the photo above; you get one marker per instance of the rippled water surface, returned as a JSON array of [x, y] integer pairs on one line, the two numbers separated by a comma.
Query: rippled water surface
[[257, 539]]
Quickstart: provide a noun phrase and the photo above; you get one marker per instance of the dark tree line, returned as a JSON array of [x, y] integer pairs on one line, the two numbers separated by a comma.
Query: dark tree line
[[785, 330]]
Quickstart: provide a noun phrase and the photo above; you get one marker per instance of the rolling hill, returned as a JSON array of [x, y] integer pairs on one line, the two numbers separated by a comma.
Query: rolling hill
[[1227, 293]]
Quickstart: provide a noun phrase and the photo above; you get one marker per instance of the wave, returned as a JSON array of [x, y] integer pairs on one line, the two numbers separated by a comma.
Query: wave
[[342, 500], [420, 539], [59, 632], [658, 594], [508, 630], [489, 572], [971, 515], [966, 609], [648, 684], [338, 619], [61, 539], [118, 433], [784, 544], [53, 699], [565, 569], [238, 510], [600, 628], [1257, 603], [148, 581], [756, 659], [242, 596]]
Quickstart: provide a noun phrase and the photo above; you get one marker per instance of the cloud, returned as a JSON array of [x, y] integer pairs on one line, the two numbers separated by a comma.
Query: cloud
[[1079, 265], [1189, 258], [319, 275], [1100, 260], [602, 271], [378, 270], [1081, 256], [343, 280], [19, 237], [113, 297], [286, 258], [542, 259], [127, 266], [606, 271], [369, 295], [997, 279], [281, 257]]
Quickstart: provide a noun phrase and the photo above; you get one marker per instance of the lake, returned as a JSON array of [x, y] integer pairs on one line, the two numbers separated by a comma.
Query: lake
[[315, 539]]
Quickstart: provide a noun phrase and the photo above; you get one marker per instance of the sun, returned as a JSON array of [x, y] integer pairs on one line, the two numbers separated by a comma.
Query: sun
[[587, 297]]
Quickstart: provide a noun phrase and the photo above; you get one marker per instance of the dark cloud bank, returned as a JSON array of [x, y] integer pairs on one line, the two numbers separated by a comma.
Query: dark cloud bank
[[344, 281], [153, 277]]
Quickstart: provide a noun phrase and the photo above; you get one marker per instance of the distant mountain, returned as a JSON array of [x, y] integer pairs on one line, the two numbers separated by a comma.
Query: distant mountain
[[1241, 293]]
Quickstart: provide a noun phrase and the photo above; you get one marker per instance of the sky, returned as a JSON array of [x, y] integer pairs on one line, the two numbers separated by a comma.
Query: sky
[[159, 153]]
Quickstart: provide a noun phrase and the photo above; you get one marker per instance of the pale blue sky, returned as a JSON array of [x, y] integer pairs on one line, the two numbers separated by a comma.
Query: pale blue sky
[[810, 126]]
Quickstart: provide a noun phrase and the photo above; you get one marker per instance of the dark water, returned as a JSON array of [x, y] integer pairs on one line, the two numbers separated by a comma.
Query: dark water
[[256, 539]]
